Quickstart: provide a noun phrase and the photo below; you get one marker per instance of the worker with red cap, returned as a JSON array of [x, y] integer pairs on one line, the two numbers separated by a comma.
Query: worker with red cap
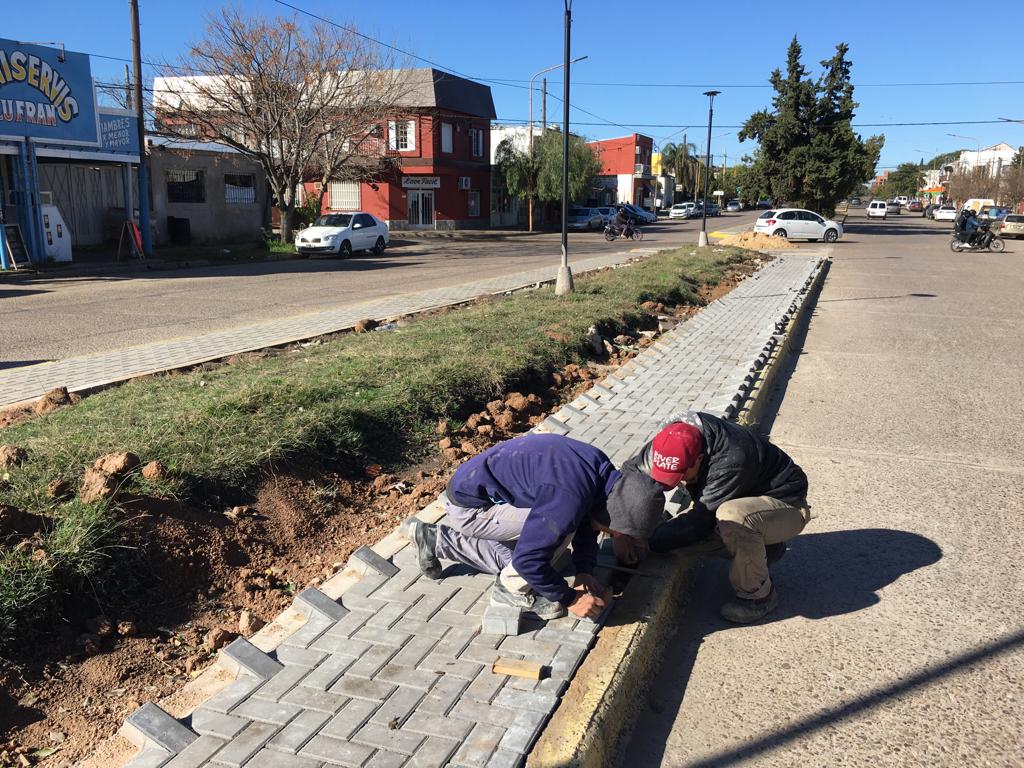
[[749, 498]]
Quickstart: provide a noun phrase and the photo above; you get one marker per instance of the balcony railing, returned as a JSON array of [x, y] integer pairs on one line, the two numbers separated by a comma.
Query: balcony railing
[[641, 169]]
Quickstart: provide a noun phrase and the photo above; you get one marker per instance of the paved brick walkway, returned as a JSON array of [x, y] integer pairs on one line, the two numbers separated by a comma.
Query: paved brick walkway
[[83, 373], [397, 672]]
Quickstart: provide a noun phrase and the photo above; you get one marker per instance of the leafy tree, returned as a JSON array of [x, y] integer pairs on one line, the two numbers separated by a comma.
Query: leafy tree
[[905, 180], [809, 154], [541, 175], [682, 161]]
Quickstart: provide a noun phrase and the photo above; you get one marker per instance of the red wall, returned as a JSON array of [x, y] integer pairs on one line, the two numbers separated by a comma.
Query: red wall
[[620, 155]]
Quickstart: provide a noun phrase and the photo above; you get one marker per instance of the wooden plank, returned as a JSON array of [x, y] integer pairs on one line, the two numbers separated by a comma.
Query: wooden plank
[[517, 668]]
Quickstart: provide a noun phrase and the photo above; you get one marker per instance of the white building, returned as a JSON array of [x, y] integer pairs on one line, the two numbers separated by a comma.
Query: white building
[[507, 211], [995, 158]]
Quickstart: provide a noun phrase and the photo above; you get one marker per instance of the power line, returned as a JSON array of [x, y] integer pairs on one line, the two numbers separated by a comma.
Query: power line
[[768, 85]]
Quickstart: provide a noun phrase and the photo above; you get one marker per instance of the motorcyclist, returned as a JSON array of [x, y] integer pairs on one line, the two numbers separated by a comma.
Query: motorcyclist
[[621, 221], [972, 225]]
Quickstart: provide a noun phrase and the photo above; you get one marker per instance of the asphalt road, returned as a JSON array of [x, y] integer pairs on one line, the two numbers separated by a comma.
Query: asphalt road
[[899, 639], [53, 319]]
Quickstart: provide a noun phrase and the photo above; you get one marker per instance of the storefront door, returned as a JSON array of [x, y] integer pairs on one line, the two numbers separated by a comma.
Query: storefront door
[[421, 208]]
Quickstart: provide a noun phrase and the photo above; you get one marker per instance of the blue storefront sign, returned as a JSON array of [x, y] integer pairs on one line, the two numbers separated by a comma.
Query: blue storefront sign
[[47, 95], [119, 133]]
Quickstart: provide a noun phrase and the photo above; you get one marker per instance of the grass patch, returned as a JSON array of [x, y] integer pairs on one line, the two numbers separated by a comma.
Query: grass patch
[[360, 399]]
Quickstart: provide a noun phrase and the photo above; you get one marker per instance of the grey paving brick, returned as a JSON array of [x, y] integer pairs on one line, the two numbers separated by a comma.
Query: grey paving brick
[[421, 628], [282, 682], [375, 562], [237, 691], [472, 711], [313, 602], [455, 619], [160, 728], [363, 688], [485, 686], [505, 758], [197, 753], [293, 656], [327, 672], [371, 662], [415, 650], [408, 676], [242, 656], [526, 644], [293, 736], [349, 624], [398, 706], [340, 645], [379, 636], [434, 753], [435, 725], [307, 633], [266, 711], [336, 752], [236, 752], [500, 620], [480, 745], [535, 701], [394, 740], [443, 695], [483, 655], [350, 719], [208, 722], [382, 758], [311, 698], [456, 639], [388, 616], [436, 662], [461, 601], [151, 757]]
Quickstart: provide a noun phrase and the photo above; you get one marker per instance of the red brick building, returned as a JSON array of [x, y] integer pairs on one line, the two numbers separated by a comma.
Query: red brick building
[[626, 175], [440, 147]]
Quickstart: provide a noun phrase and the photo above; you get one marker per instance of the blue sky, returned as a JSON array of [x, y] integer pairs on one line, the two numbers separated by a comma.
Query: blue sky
[[670, 42]]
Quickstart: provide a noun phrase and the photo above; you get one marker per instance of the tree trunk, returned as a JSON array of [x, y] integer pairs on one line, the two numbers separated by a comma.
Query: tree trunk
[[286, 222]]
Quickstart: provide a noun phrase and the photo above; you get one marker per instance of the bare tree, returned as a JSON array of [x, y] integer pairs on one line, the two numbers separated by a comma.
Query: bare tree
[[972, 183], [302, 101]]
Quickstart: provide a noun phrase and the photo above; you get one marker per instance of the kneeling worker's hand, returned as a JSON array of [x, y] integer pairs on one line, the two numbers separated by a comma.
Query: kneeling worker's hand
[[586, 605], [592, 585]]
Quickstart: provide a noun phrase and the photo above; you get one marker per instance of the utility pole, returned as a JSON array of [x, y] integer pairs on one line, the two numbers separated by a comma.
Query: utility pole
[[147, 241], [543, 105], [564, 282], [127, 88], [702, 241]]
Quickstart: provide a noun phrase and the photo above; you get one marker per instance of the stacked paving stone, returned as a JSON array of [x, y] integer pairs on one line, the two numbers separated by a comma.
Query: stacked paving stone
[[81, 373], [397, 672]]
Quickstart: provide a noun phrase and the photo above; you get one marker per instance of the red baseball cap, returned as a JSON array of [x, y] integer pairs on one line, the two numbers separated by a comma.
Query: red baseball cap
[[673, 451]]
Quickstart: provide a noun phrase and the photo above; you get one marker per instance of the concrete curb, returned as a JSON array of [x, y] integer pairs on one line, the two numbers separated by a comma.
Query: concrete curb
[[598, 708]]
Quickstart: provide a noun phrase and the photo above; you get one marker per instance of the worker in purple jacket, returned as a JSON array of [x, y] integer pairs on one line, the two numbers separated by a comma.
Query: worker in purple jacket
[[517, 506]]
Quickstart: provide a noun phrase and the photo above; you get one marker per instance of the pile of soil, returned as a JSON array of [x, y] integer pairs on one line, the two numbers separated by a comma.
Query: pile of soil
[[757, 241], [191, 577]]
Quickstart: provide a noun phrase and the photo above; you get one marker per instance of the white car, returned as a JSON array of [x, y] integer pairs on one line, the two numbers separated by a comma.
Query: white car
[[877, 209], [681, 210], [798, 224], [945, 213], [902, 200], [341, 234]]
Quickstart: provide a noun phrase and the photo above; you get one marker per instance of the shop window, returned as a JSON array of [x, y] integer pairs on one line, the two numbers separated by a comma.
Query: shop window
[[186, 186], [343, 195], [239, 188], [446, 137]]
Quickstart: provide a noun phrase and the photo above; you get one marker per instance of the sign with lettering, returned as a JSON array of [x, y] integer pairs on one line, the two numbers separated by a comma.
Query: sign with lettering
[[119, 133], [421, 182], [46, 94]]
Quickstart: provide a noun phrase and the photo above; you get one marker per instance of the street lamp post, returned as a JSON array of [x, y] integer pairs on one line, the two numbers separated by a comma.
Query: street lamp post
[[702, 241], [564, 283], [530, 134]]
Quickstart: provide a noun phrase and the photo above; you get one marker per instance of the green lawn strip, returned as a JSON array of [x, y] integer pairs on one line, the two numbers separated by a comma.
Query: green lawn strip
[[360, 399]]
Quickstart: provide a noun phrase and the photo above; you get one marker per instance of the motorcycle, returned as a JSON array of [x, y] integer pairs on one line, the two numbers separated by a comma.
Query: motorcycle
[[984, 240], [630, 231]]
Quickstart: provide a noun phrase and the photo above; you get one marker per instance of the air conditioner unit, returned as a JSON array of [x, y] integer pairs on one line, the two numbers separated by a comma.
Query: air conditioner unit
[[463, 182]]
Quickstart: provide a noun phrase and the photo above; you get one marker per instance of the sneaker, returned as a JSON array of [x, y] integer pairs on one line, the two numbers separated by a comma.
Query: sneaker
[[775, 552], [424, 536], [531, 603], [742, 611]]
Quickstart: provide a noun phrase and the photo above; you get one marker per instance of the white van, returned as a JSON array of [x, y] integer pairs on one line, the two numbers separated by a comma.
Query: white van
[[978, 204], [902, 200], [876, 209]]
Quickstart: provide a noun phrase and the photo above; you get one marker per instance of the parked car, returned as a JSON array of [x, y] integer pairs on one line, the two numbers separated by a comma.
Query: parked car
[[341, 234], [763, 203], [680, 210], [902, 200], [713, 209], [945, 213], [734, 206], [1012, 226], [798, 224], [607, 213], [644, 217], [854, 201], [877, 209], [893, 206], [993, 213], [585, 218], [915, 206]]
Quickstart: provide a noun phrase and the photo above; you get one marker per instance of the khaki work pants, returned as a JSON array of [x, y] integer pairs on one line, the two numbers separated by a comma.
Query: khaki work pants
[[745, 526]]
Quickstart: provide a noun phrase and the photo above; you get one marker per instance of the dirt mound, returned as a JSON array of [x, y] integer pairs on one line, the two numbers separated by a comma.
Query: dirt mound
[[756, 241]]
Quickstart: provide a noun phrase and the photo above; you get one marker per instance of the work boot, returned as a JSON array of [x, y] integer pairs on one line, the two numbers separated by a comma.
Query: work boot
[[744, 611], [775, 552], [531, 603], [424, 536]]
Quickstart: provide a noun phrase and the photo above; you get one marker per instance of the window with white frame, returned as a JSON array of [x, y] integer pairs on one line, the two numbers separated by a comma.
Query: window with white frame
[[402, 135], [446, 137], [343, 195], [477, 137]]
